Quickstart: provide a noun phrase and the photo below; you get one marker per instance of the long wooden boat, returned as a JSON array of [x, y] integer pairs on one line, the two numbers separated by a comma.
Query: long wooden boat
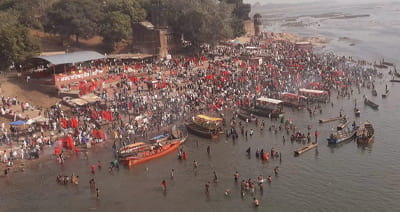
[[207, 122], [332, 119], [365, 133], [305, 148], [342, 125], [159, 138], [394, 80], [246, 116], [132, 149], [151, 154], [380, 66], [257, 112], [371, 104], [201, 131], [387, 64], [263, 112], [341, 136]]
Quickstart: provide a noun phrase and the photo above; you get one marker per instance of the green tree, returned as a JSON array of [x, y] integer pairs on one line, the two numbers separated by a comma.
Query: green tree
[[237, 27], [200, 22], [115, 27], [119, 17], [29, 12], [16, 43], [74, 17]]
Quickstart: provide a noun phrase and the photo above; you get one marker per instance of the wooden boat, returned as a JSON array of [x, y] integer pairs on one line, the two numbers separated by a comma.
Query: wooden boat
[[244, 115], [387, 64], [177, 134], [365, 133], [207, 122], [201, 131], [263, 112], [394, 80], [357, 112], [341, 136], [332, 119], [380, 66], [151, 153], [374, 93], [159, 138], [132, 149], [371, 104], [342, 125], [305, 148], [257, 112]]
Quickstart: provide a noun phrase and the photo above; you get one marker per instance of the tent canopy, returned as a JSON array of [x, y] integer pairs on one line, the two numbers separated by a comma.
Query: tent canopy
[[17, 123], [74, 57]]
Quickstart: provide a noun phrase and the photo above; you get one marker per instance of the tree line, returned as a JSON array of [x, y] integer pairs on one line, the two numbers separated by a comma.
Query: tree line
[[199, 21]]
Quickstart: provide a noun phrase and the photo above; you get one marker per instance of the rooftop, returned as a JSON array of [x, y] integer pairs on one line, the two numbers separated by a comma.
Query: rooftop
[[74, 57]]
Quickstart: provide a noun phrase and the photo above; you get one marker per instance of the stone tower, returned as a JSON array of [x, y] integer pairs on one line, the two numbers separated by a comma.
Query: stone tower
[[257, 24]]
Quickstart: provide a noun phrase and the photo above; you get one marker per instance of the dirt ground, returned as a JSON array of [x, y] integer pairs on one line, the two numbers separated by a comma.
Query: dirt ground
[[11, 86]]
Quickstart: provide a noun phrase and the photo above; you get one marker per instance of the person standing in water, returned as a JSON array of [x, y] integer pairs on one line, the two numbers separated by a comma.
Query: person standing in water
[[215, 177], [236, 176], [208, 149], [164, 184], [256, 203], [98, 193], [195, 164], [172, 174], [207, 186]]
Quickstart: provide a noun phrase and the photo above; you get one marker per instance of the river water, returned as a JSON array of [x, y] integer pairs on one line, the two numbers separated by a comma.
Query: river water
[[341, 178]]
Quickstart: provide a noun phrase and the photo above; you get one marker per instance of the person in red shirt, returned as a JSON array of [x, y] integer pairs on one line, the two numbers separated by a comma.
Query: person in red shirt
[[100, 134], [316, 135], [164, 184], [94, 133]]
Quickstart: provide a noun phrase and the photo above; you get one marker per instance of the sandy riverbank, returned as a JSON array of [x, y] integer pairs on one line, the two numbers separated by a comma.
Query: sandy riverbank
[[315, 41]]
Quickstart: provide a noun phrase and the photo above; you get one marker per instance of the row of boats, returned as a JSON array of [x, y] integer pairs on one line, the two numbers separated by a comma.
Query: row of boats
[[364, 134]]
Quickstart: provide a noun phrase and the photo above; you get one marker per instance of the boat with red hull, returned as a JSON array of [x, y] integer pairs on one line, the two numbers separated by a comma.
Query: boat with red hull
[[152, 153]]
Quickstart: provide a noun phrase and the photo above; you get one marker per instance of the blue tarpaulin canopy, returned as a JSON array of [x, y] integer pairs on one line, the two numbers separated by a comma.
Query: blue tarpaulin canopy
[[17, 123]]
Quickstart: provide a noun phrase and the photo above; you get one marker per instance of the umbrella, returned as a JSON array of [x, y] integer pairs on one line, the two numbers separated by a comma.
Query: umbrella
[[17, 123]]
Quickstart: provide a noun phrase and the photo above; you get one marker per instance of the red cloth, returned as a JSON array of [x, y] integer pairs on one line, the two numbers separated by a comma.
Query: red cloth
[[100, 134], [57, 151], [94, 133]]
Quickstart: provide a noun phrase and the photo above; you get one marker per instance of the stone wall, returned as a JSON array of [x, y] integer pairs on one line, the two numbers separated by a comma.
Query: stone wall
[[249, 27], [146, 41]]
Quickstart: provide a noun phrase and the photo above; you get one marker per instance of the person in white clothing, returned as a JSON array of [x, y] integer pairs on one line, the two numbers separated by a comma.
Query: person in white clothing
[[22, 153]]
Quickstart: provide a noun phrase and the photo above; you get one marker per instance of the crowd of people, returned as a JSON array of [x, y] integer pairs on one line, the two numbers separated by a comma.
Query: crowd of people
[[222, 79]]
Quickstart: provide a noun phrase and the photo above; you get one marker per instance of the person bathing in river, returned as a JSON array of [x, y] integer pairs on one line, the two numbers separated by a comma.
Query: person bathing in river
[[236, 176]]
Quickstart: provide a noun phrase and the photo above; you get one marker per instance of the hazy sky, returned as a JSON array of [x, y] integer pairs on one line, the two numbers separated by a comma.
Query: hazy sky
[[304, 1]]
